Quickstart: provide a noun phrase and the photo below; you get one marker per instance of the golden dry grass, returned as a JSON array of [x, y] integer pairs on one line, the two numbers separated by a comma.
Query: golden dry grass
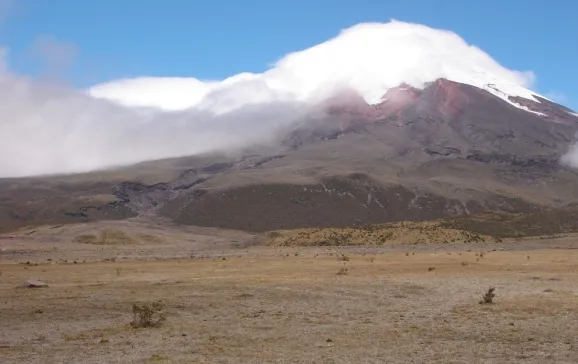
[[392, 233], [272, 305], [116, 237]]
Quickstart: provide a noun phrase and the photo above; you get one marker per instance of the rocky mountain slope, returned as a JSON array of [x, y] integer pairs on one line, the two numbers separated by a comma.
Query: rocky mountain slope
[[448, 150]]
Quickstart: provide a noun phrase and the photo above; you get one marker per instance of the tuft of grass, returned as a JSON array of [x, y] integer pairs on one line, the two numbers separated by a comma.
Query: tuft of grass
[[342, 272], [157, 357], [488, 297]]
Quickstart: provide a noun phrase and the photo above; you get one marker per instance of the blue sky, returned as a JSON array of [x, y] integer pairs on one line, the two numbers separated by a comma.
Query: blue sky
[[104, 40]]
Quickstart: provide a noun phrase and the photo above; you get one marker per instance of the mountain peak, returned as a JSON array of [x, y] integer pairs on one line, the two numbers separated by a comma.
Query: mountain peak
[[446, 97]]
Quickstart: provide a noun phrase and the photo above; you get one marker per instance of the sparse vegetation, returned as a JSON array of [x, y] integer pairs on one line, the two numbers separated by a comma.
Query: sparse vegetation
[[115, 237], [225, 309], [500, 225], [106, 237], [147, 314], [149, 238]]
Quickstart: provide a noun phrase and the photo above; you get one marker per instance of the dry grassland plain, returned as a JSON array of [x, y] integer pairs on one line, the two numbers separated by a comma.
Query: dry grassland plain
[[228, 300]]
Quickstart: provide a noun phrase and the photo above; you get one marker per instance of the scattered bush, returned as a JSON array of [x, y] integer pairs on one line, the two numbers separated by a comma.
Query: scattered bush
[[488, 297], [147, 315]]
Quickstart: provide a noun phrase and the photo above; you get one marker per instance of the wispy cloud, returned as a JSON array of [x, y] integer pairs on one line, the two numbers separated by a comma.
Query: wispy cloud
[[55, 55]]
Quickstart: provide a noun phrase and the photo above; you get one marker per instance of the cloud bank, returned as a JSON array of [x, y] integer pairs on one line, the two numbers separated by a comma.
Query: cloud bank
[[51, 129], [368, 58]]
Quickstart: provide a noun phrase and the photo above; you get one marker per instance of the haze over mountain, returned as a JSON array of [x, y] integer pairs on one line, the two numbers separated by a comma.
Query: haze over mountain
[[385, 122]]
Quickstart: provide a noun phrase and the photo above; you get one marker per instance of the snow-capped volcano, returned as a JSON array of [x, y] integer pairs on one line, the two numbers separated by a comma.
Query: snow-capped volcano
[[385, 122], [368, 73], [367, 58]]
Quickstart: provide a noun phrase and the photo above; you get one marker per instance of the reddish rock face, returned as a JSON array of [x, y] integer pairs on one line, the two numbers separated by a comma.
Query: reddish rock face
[[395, 100], [448, 97], [350, 107]]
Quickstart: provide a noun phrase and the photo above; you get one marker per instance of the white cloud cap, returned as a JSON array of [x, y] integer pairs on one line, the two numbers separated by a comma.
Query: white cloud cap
[[369, 58]]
